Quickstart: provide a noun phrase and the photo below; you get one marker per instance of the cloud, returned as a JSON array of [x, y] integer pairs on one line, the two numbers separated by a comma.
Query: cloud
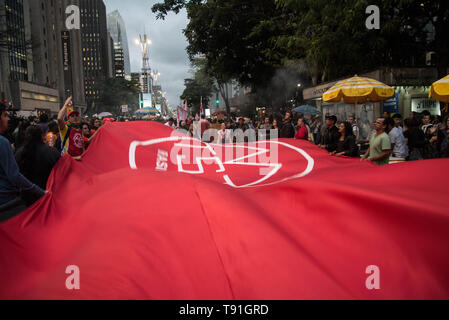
[[167, 52]]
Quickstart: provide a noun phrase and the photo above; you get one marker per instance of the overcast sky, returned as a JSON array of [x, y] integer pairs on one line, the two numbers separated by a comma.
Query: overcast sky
[[167, 52]]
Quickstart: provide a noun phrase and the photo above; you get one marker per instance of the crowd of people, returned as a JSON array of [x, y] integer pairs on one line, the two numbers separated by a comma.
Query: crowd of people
[[392, 138], [30, 147]]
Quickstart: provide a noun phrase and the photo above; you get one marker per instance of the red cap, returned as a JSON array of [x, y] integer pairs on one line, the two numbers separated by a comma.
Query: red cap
[[72, 113]]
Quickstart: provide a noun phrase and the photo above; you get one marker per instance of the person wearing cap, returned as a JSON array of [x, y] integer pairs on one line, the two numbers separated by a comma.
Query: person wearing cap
[[331, 135], [71, 133], [12, 182]]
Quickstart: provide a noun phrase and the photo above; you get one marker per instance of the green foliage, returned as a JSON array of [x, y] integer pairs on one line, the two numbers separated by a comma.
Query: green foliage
[[249, 40], [115, 92], [201, 86]]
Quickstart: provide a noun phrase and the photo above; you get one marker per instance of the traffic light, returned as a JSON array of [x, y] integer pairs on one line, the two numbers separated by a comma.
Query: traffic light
[[218, 101]]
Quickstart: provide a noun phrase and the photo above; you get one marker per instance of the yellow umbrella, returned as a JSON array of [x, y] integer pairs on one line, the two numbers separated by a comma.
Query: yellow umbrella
[[440, 91], [358, 90]]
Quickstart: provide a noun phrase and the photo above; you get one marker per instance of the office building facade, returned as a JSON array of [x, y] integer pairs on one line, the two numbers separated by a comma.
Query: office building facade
[[117, 28]]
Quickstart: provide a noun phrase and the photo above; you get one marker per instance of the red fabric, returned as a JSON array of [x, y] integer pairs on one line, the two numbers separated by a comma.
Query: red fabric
[[308, 231], [302, 133]]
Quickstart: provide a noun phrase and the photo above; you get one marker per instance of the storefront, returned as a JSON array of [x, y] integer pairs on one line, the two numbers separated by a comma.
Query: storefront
[[412, 87], [34, 99]]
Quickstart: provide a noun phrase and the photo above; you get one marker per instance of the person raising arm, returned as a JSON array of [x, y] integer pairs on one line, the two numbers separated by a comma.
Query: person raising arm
[[71, 133]]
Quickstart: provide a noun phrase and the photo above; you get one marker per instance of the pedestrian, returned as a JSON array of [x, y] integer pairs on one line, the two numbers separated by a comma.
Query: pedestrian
[[43, 122], [12, 182], [380, 146], [346, 145], [302, 133], [330, 138], [443, 137], [171, 123], [415, 138], [355, 127], [51, 137], [315, 127], [71, 134], [287, 130], [397, 139], [426, 121], [36, 160], [224, 135]]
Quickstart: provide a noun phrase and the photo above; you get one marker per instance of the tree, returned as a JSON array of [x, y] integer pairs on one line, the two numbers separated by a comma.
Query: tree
[[115, 92], [217, 31], [200, 87], [319, 40]]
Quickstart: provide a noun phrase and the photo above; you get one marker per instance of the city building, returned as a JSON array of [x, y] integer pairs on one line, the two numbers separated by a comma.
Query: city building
[[111, 53], [36, 72], [94, 39], [119, 59], [116, 26]]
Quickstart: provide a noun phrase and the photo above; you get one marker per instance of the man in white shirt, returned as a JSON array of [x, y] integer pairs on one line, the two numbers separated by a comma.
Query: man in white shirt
[[398, 143], [171, 123]]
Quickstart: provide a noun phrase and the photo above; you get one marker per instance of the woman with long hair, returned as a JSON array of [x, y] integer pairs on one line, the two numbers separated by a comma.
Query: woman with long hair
[[36, 159], [346, 145]]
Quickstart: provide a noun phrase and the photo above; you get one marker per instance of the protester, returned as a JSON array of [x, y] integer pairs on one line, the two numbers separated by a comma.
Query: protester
[[416, 139], [71, 134], [12, 182], [426, 121], [266, 125], [43, 122], [355, 127], [346, 145], [397, 118], [302, 133], [315, 126], [171, 123], [264, 129], [97, 124], [51, 137], [397, 139], [242, 125], [224, 135], [380, 146], [287, 130], [19, 134], [87, 134], [331, 135], [36, 160], [443, 137], [204, 124]]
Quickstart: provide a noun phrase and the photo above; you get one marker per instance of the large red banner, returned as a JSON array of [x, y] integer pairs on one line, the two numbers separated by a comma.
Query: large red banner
[[147, 214]]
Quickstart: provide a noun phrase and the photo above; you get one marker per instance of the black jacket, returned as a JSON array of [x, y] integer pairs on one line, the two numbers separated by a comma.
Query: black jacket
[[330, 138], [287, 130], [348, 146], [45, 159]]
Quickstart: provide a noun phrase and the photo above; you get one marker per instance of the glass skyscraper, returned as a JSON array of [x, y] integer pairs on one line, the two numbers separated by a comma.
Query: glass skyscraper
[[117, 29]]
